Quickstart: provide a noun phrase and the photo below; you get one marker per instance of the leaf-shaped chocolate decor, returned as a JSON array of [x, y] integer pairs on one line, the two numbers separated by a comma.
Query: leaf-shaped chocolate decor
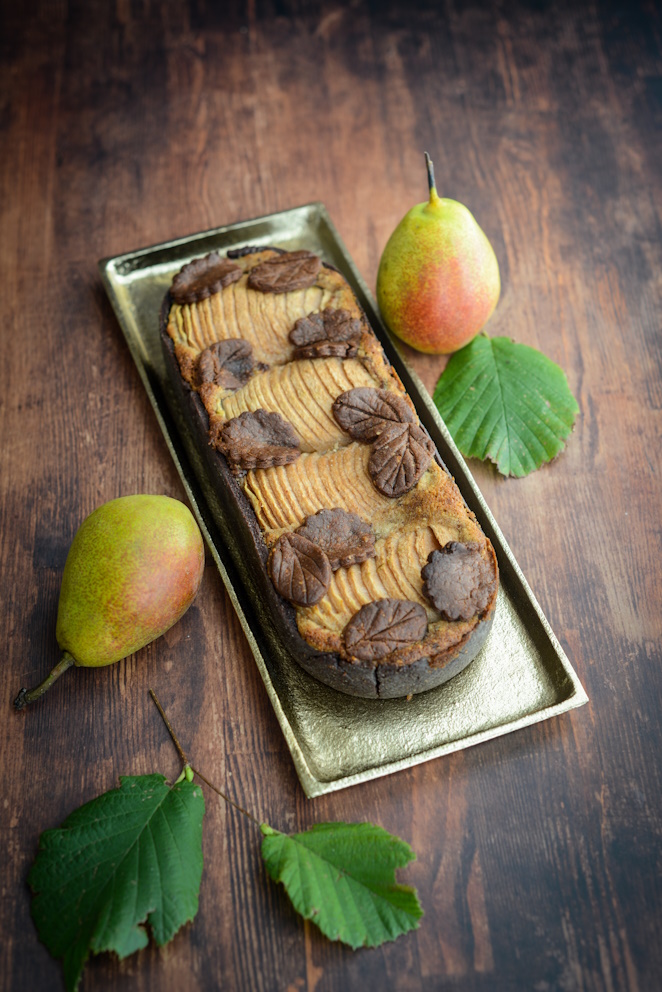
[[340, 325], [325, 349], [284, 273], [307, 330], [383, 626], [328, 333], [257, 440], [365, 412], [345, 537], [300, 570], [203, 276], [459, 581], [226, 363], [399, 457]]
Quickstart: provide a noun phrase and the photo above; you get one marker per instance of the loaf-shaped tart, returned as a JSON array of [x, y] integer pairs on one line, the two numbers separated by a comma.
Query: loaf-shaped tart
[[362, 556]]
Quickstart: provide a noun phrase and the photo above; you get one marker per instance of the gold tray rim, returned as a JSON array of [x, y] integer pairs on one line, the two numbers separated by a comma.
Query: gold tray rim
[[110, 269]]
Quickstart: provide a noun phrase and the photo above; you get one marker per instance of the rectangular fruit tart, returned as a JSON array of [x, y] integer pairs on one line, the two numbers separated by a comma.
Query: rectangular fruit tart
[[370, 568]]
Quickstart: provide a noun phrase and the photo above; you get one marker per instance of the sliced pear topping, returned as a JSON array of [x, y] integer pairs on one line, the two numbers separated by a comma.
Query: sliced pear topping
[[394, 573], [302, 392], [286, 495], [264, 320]]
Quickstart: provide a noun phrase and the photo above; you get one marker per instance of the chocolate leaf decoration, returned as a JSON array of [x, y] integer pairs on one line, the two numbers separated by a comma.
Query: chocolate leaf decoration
[[257, 439], [364, 412], [329, 334], [340, 325], [300, 570], [345, 537], [284, 273], [326, 349], [383, 626], [203, 276], [399, 457], [308, 329], [459, 581], [226, 363]]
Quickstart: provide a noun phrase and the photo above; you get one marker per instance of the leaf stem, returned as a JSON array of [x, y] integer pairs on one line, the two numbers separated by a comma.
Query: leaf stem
[[180, 750], [187, 763], [223, 796]]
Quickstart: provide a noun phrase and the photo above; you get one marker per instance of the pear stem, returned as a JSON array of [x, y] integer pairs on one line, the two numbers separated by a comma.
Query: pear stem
[[29, 695], [430, 168]]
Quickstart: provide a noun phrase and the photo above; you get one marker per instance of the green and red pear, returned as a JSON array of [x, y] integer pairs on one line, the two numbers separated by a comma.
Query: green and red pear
[[438, 281], [133, 569]]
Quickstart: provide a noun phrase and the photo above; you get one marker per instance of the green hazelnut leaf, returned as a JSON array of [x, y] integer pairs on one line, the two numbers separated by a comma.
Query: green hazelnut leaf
[[507, 402], [341, 876], [131, 856]]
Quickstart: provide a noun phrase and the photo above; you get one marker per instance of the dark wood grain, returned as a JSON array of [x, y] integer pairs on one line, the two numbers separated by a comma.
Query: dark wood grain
[[123, 124]]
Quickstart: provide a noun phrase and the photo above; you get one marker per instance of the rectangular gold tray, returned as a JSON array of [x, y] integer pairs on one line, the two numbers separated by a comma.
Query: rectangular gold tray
[[520, 677]]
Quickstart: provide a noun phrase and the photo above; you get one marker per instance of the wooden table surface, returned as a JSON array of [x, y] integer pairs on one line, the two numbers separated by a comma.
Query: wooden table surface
[[128, 123]]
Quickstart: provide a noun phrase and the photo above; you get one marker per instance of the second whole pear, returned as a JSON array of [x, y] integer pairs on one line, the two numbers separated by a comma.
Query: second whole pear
[[133, 569]]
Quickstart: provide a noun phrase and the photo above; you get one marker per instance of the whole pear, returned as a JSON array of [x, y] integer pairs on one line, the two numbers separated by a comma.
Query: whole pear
[[133, 569], [438, 280]]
